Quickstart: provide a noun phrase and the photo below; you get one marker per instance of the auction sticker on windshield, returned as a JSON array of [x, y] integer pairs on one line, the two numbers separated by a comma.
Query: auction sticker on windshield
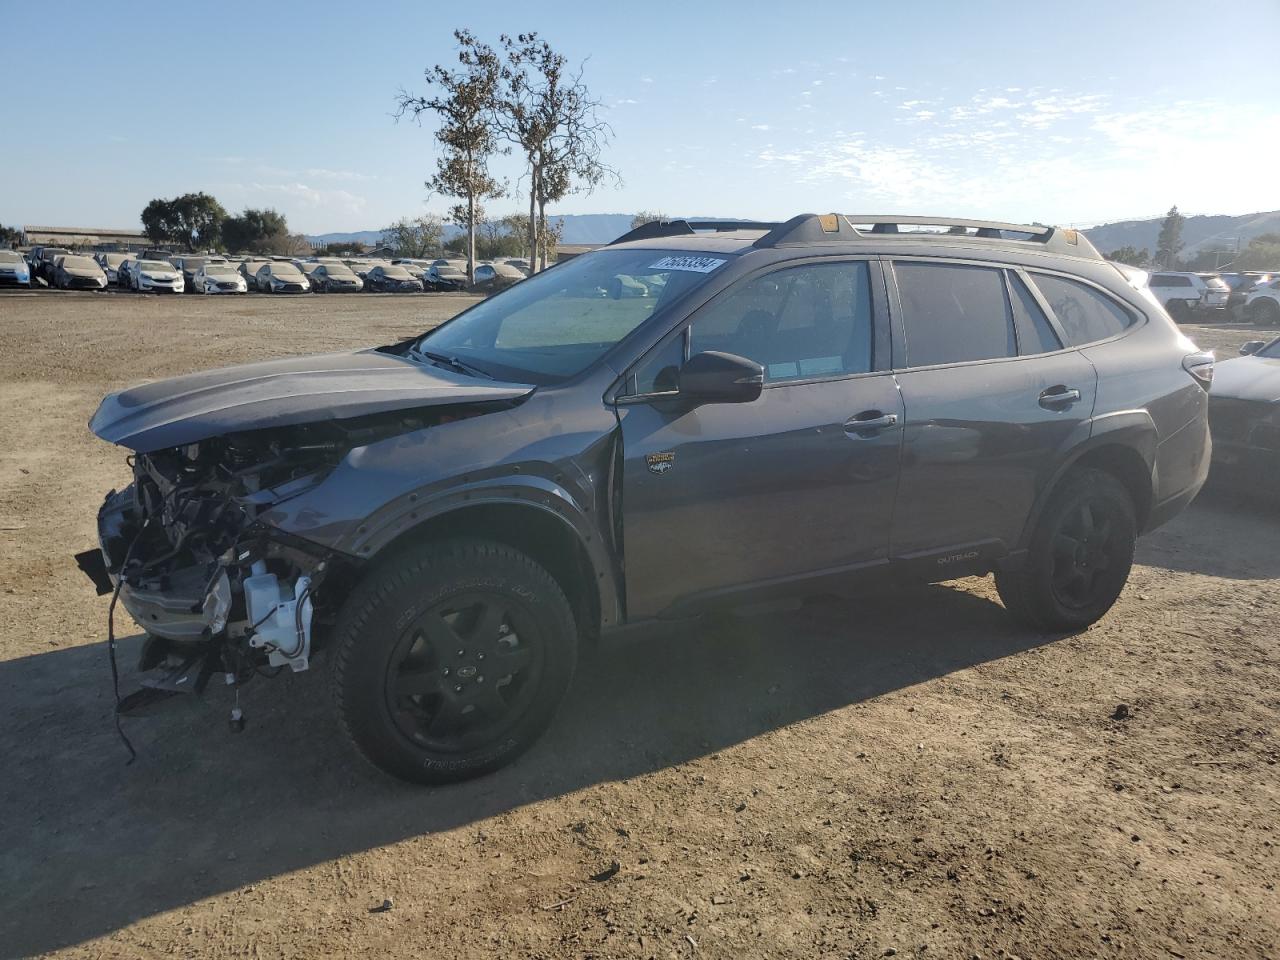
[[693, 264]]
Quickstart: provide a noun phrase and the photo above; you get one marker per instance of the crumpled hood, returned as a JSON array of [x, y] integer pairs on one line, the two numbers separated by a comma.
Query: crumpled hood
[[277, 393], [1247, 378]]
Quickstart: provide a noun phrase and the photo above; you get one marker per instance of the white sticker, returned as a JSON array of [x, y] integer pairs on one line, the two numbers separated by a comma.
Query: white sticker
[[692, 264]]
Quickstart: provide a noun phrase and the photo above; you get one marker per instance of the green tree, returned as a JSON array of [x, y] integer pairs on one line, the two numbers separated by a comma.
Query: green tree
[[415, 236], [1263, 253], [465, 103], [343, 248], [653, 216], [256, 231], [1169, 243], [192, 221], [1131, 256], [9, 237]]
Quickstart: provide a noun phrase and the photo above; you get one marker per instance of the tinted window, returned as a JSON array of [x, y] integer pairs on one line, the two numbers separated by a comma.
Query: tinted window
[[1035, 335], [1169, 280], [1084, 314], [954, 313], [660, 372], [798, 323]]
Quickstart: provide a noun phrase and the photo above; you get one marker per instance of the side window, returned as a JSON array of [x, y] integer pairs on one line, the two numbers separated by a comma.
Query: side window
[[1035, 335], [1084, 313], [660, 372], [954, 313], [798, 323]]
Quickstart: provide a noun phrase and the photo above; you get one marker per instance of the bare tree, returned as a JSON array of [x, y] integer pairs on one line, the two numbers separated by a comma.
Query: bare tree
[[647, 216], [465, 103], [547, 111], [415, 236]]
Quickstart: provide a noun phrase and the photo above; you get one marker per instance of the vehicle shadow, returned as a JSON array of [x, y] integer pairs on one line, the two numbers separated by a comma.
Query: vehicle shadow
[[1229, 531], [90, 844]]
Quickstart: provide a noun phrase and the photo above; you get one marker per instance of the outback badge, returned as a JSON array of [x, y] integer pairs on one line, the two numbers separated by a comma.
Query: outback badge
[[660, 463]]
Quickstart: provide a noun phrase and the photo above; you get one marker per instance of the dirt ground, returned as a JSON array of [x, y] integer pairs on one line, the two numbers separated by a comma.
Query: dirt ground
[[908, 774]]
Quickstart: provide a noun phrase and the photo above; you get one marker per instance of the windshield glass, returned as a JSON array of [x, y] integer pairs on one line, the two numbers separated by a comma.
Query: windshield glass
[[80, 263], [285, 270], [396, 273], [219, 270], [156, 265], [8, 256], [1271, 350], [559, 322], [339, 271], [115, 259]]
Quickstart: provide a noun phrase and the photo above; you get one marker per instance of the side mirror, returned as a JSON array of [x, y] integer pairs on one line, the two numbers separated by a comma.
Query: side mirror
[[714, 377], [1252, 346]]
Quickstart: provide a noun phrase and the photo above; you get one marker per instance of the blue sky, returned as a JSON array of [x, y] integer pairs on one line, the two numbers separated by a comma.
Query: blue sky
[[1065, 113]]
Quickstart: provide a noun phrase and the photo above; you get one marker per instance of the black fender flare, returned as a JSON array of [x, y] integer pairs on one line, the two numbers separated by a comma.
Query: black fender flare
[[1130, 429], [400, 519]]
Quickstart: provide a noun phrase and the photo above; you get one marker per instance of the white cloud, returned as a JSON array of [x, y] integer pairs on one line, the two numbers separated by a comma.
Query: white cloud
[[320, 173], [625, 101], [759, 126]]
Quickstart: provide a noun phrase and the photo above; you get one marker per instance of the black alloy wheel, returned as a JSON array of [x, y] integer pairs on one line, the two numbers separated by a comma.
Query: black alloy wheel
[[450, 659]]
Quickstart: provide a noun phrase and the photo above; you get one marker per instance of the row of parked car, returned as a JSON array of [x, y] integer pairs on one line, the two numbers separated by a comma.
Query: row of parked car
[[161, 271], [1251, 295]]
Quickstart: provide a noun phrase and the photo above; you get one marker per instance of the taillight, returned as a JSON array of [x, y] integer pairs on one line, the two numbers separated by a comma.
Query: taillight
[[1200, 366]]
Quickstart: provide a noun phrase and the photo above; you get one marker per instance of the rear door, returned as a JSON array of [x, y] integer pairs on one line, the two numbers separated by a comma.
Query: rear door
[[991, 396], [736, 499]]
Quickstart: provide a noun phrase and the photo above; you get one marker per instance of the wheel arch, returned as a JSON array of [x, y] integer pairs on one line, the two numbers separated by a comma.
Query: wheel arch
[[536, 531], [1123, 445]]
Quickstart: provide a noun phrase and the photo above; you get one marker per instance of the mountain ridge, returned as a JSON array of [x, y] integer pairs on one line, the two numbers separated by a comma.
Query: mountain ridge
[[1198, 231]]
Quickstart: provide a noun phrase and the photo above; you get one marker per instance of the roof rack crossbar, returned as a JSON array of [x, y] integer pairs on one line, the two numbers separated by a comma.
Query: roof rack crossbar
[[811, 228], [683, 228]]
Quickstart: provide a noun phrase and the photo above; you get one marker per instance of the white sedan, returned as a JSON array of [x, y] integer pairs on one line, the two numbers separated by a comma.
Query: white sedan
[[157, 276], [219, 278]]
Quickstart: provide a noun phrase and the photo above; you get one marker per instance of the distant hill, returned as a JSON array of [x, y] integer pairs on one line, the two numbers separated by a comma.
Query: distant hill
[[578, 228], [1197, 232]]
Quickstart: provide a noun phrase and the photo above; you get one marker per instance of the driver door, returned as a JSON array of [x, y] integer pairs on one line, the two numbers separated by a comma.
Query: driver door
[[721, 501]]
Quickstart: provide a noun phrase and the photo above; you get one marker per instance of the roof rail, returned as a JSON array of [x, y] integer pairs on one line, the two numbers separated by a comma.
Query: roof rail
[[812, 228], [683, 228]]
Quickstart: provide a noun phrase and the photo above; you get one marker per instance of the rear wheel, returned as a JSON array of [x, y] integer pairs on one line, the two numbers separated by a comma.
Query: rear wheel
[[1265, 312], [451, 661], [1179, 310], [1080, 555]]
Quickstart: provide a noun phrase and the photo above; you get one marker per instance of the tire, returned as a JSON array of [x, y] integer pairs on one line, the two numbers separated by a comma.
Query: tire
[[1080, 555], [1265, 312], [1179, 310], [413, 645]]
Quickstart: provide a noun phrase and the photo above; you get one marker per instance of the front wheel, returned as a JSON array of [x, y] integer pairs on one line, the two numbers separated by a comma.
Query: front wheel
[[1079, 558], [451, 660]]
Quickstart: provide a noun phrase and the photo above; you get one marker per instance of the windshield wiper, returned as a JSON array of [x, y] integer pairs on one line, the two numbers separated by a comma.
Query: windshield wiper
[[453, 363]]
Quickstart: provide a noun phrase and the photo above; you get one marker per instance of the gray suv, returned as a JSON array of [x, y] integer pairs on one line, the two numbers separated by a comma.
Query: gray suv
[[699, 416]]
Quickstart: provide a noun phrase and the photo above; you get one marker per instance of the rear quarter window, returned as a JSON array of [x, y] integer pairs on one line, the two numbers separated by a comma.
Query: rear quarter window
[[1085, 314]]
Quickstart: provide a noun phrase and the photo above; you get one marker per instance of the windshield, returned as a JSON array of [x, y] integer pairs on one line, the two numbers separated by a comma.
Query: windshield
[[80, 263], [219, 270], [396, 273], [557, 323], [8, 256], [285, 270], [339, 271], [156, 265], [115, 259]]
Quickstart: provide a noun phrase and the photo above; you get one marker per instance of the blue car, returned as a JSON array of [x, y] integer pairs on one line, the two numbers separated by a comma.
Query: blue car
[[14, 269]]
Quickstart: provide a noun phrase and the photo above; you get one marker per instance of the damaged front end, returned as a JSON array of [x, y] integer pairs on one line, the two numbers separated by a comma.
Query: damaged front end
[[218, 591]]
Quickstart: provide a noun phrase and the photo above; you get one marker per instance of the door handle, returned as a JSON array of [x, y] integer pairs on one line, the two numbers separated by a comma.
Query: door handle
[[1059, 396], [870, 422]]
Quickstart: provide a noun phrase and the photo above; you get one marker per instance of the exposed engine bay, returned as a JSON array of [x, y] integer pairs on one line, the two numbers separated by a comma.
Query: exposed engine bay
[[217, 590]]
